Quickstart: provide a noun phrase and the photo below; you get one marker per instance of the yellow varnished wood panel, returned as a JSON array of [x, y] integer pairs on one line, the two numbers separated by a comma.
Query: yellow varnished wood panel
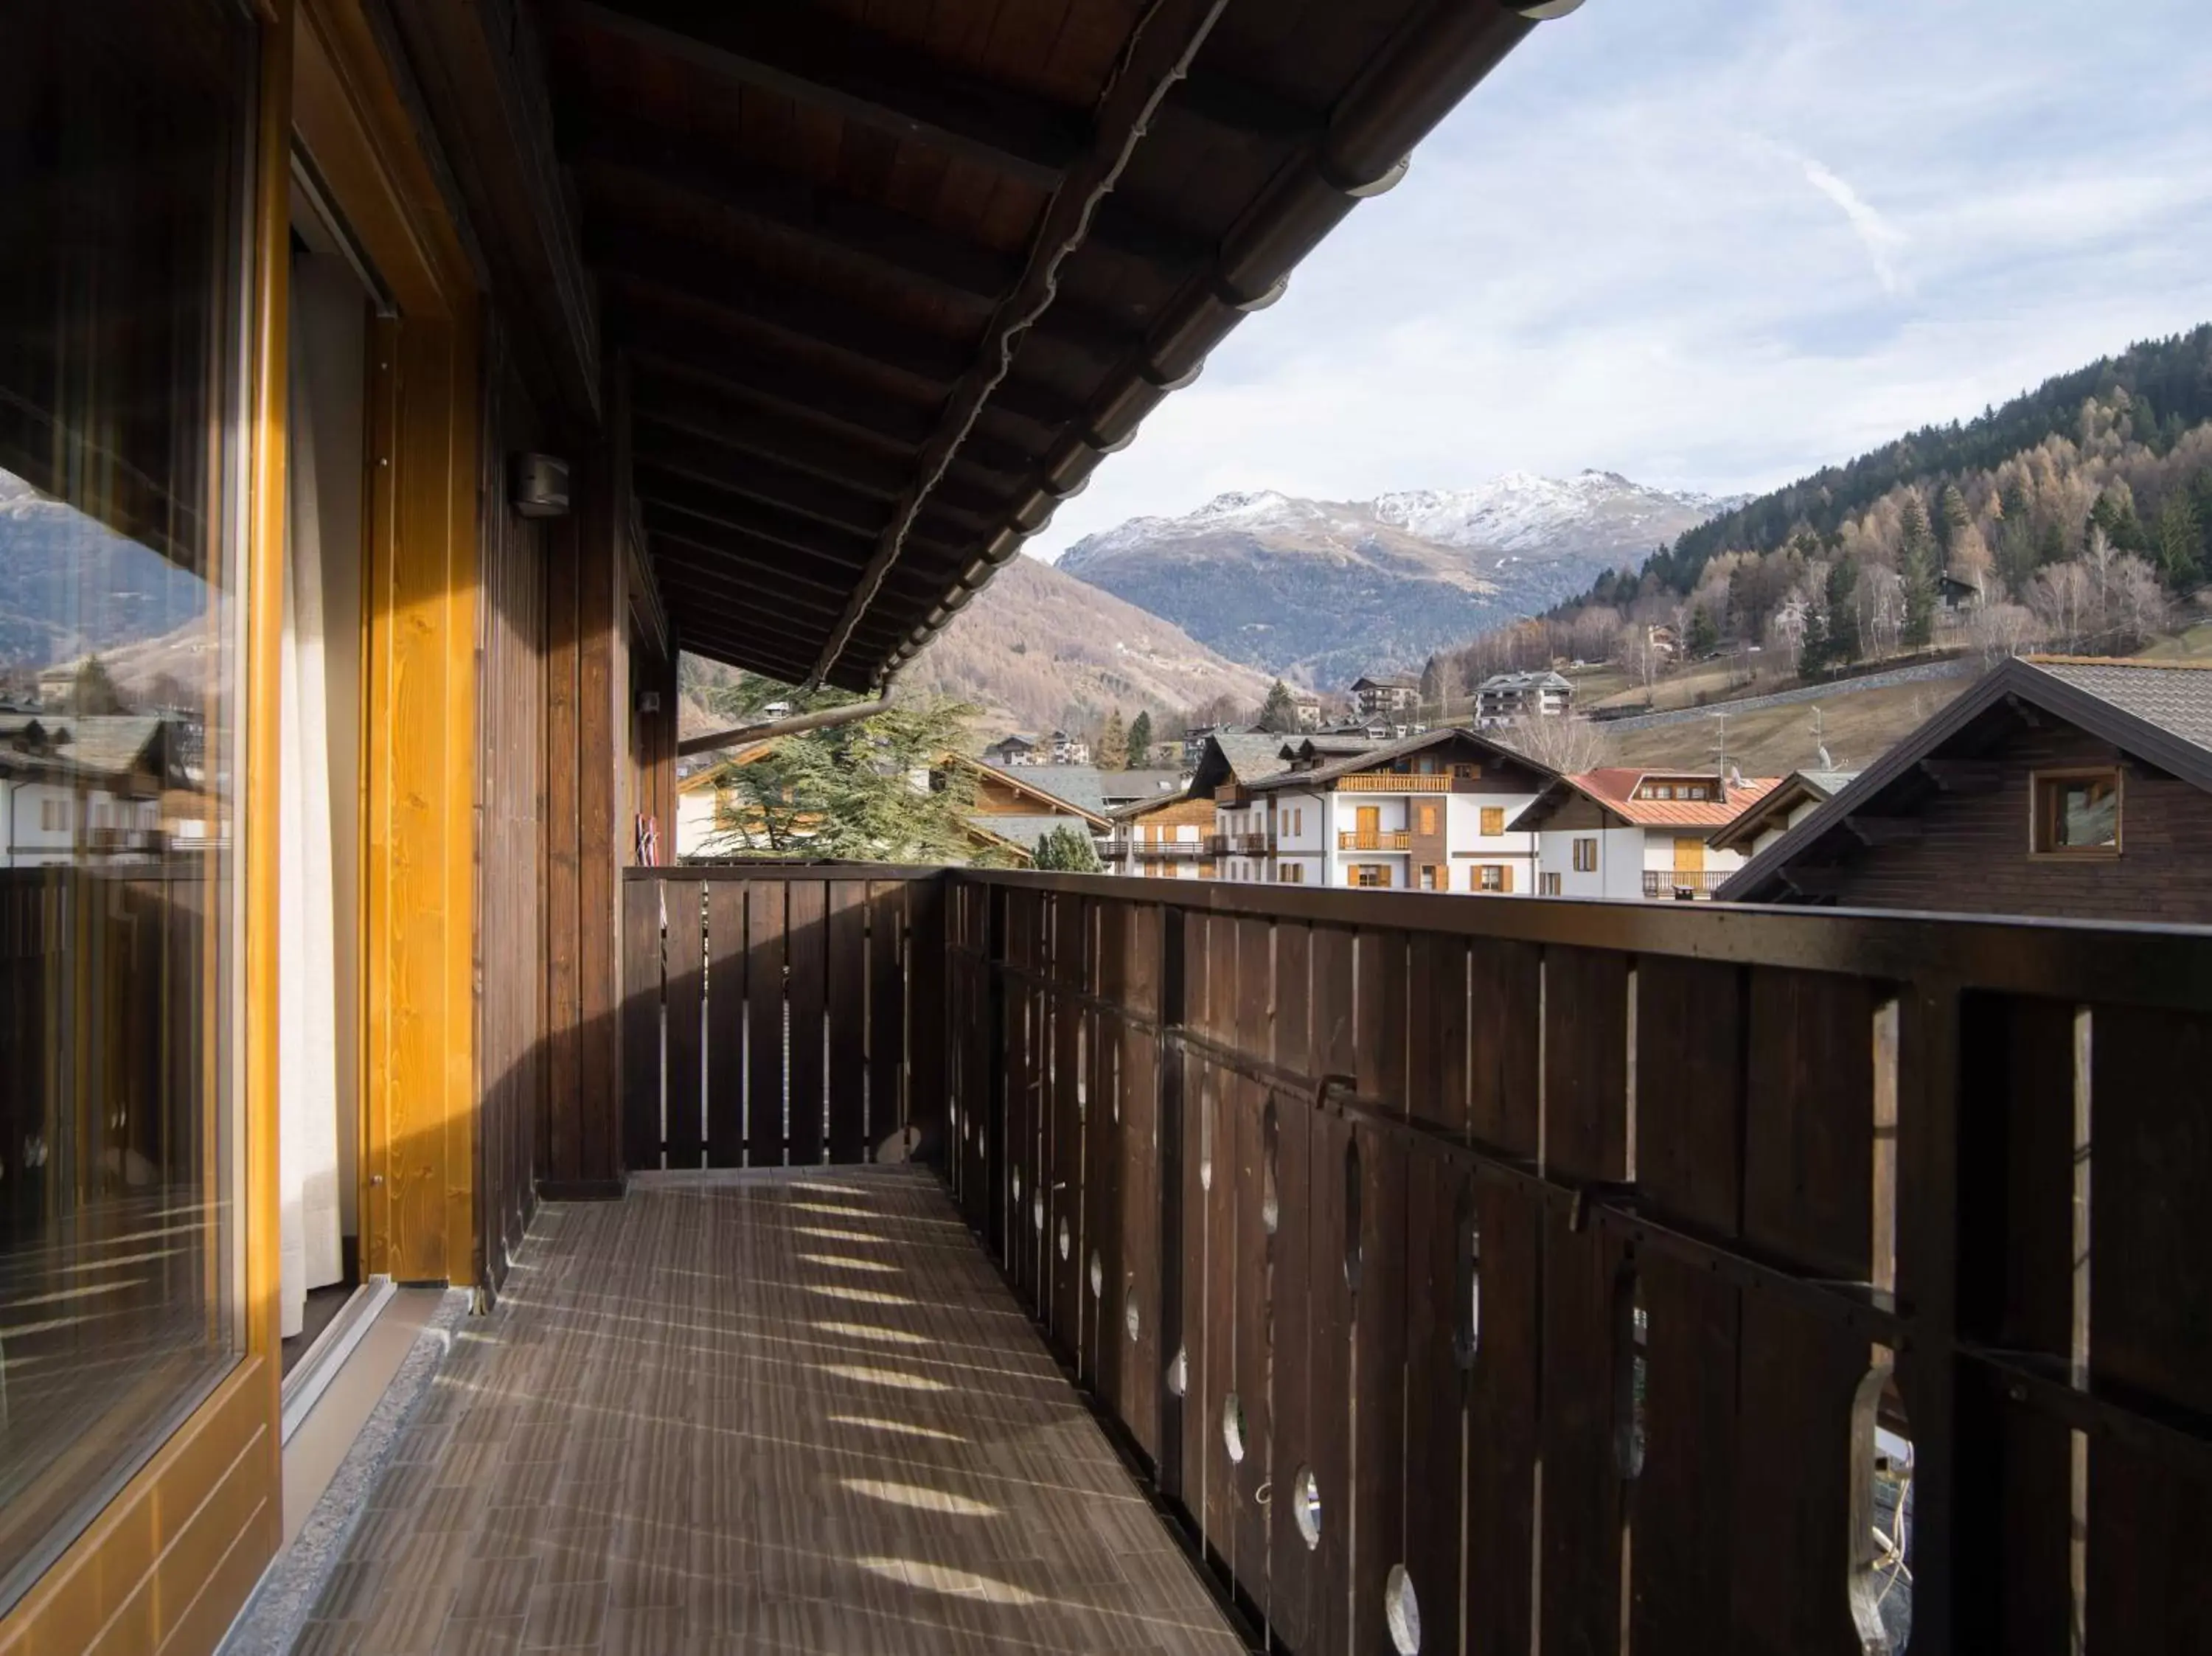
[[422, 752]]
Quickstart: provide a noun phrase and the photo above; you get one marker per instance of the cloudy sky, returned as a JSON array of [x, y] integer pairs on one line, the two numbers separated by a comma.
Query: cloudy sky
[[1715, 244]]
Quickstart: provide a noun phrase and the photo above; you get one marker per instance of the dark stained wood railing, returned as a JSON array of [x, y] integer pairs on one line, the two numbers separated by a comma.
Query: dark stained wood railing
[[1563, 1257], [773, 1015], [1562, 1276]]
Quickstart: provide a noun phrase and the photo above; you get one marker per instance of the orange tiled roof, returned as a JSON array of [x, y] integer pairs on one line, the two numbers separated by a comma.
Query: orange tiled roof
[[1614, 787]]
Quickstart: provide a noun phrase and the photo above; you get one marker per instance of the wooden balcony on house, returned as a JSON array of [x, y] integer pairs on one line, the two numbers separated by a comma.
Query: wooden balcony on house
[[1374, 839], [1393, 782], [1398, 1241], [1673, 883]]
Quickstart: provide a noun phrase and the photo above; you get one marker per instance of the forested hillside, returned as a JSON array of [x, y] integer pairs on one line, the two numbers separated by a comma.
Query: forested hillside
[[2078, 517]]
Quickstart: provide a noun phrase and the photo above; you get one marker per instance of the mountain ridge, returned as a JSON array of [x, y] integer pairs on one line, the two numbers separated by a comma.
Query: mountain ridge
[[1322, 590]]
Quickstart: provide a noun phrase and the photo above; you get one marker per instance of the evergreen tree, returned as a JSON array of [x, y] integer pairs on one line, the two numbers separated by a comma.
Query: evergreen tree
[[1951, 516], [1066, 850], [873, 792], [1705, 637], [1434, 686], [1140, 741], [1112, 752], [1842, 612], [96, 691], [1916, 564], [2178, 540], [1279, 716]]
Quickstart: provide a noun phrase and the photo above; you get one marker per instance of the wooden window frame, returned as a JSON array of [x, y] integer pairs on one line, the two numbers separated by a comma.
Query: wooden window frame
[[1547, 884], [1582, 841], [2041, 788], [1492, 814]]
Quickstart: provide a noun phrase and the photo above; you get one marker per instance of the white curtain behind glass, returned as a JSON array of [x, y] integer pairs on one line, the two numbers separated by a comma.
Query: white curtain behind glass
[[307, 1155]]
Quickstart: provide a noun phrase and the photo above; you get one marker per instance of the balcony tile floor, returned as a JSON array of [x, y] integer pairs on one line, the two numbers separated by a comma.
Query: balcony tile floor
[[793, 1411]]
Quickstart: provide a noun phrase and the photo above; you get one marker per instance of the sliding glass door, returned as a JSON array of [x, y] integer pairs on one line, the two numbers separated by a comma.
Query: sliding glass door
[[126, 132]]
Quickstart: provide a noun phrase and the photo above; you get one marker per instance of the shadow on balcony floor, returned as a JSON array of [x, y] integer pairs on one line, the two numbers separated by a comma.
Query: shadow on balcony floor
[[784, 1412]]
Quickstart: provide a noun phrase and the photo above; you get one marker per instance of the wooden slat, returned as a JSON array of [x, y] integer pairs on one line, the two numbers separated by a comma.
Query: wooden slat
[[850, 1035], [1809, 1195], [1503, 1413], [726, 1024], [806, 956], [642, 1014], [2150, 1521], [887, 1026], [1436, 1197], [925, 1022], [1379, 1358], [1689, 1119], [764, 1030], [1329, 1599], [685, 1141]]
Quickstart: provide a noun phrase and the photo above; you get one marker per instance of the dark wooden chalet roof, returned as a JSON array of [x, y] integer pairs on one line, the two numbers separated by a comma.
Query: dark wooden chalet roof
[[2156, 711], [883, 282]]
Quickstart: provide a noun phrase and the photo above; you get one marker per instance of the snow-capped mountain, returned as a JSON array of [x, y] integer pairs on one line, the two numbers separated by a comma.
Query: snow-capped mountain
[[1325, 590]]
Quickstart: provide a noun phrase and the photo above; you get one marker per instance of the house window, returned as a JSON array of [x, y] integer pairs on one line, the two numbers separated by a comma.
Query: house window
[[1586, 855], [1465, 773], [1428, 819], [1297, 874], [1368, 874], [1493, 820], [1493, 876], [2077, 814], [1428, 876], [1547, 885]]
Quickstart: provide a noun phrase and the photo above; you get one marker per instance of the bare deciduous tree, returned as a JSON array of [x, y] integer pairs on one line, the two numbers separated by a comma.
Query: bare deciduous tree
[[1568, 743]]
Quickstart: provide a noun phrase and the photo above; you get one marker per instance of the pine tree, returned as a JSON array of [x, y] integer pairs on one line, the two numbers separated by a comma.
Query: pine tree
[[1140, 741], [1951, 516], [1112, 752], [1279, 714], [2178, 540], [1916, 564], [1705, 637], [850, 792], [1842, 612], [1434, 687], [96, 691], [1066, 850]]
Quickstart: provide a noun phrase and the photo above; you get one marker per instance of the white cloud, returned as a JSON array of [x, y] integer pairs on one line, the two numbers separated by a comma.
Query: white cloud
[[1877, 234], [1610, 255]]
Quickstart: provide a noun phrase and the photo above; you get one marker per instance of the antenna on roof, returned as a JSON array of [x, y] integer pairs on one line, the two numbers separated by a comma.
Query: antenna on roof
[[1719, 749]]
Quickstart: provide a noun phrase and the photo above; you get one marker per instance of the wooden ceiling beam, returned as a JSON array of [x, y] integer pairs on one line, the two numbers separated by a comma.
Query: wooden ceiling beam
[[715, 416], [842, 548], [880, 236], [771, 483], [776, 377], [737, 422], [688, 282], [1245, 109], [808, 55], [702, 522]]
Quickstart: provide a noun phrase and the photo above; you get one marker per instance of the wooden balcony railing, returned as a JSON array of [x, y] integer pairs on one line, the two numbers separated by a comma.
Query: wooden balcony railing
[[1171, 851], [1676, 1205], [1669, 883], [1390, 782], [1374, 839]]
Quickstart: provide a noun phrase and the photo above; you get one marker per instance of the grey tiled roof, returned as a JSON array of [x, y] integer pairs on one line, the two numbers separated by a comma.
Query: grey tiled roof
[[1254, 758], [2176, 698], [1026, 831]]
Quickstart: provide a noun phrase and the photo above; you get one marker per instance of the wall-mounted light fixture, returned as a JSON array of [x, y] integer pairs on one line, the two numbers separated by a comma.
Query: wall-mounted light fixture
[[538, 485]]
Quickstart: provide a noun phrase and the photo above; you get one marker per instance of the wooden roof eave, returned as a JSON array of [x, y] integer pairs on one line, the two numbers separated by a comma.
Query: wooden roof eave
[[1397, 101]]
